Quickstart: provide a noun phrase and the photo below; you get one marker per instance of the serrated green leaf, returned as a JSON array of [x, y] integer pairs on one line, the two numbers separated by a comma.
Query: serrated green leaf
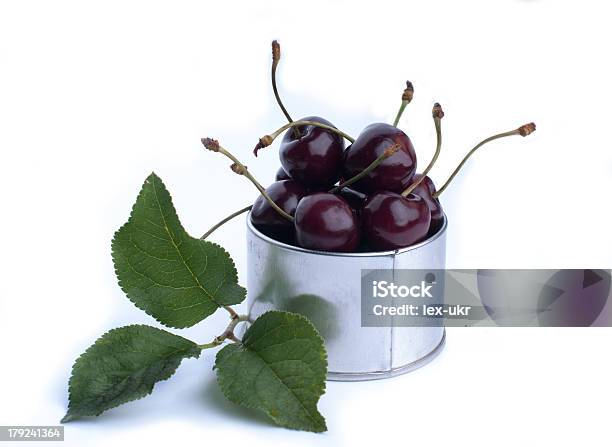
[[178, 279], [279, 368], [124, 365]]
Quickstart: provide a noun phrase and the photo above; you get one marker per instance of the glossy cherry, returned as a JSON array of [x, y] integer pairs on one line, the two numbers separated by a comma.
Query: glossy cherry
[[282, 175], [324, 221], [355, 199], [426, 190], [315, 157], [395, 173], [390, 221], [286, 194]]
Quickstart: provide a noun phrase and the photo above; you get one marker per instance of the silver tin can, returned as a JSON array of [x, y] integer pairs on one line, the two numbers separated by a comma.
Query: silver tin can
[[326, 288]]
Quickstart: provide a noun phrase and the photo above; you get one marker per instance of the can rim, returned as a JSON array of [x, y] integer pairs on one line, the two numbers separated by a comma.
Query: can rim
[[368, 254]]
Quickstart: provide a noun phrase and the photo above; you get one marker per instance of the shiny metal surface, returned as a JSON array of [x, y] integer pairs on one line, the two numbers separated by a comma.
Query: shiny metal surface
[[326, 288]]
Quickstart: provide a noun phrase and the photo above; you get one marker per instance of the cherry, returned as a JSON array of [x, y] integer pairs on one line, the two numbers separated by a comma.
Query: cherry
[[282, 175], [395, 173], [286, 194], [324, 221], [314, 158], [355, 199], [426, 189], [391, 221]]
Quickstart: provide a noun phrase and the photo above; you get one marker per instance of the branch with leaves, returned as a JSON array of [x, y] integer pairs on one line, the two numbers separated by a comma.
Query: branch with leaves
[[180, 280]]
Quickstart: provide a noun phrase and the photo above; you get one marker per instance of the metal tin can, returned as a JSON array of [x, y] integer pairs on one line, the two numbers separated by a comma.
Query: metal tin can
[[326, 288]]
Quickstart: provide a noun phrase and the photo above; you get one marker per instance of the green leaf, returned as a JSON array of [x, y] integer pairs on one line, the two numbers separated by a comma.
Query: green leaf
[[124, 365], [178, 279], [279, 368]]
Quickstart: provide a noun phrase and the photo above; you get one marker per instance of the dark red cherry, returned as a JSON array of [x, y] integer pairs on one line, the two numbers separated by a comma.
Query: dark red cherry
[[390, 221], [393, 174], [286, 194], [426, 190], [324, 221], [355, 199], [282, 175], [315, 158]]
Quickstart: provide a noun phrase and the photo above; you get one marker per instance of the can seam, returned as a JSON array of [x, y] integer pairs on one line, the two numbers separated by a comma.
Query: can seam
[[393, 372]]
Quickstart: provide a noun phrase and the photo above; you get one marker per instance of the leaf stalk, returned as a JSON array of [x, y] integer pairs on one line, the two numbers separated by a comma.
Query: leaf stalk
[[227, 334]]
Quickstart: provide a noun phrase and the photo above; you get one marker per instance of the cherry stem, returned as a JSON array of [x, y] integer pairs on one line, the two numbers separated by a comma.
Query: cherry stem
[[399, 113], [406, 99], [225, 220], [240, 169], [523, 131], [276, 55], [267, 140], [311, 123], [386, 154], [437, 114]]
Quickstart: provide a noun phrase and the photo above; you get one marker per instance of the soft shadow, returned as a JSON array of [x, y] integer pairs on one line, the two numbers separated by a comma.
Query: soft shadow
[[321, 313]]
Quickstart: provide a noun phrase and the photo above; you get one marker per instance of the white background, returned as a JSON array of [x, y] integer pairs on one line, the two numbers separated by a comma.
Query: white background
[[96, 95]]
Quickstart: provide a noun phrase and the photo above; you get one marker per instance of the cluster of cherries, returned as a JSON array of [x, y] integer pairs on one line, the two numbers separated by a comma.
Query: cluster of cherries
[[364, 197]]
